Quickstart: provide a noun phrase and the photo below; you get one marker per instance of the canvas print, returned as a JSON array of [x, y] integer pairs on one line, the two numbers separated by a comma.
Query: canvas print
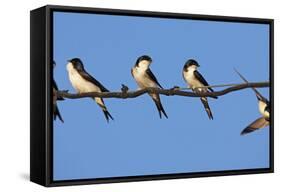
[[139, 96]]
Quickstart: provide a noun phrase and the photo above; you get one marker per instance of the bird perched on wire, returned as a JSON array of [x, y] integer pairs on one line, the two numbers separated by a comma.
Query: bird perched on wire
[[145, 79], [83, 82], [197, 82], [264, 109]]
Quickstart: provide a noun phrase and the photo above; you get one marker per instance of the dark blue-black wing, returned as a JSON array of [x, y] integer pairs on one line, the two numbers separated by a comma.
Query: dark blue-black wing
[[201, 79], [55, 86], [152, 77], [91, 79], [267, 108]]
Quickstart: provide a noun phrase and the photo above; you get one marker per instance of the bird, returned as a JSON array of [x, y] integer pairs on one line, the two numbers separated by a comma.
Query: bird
[[56, 111], [83, 82], [264, 109], [145, 78], [197, 82]]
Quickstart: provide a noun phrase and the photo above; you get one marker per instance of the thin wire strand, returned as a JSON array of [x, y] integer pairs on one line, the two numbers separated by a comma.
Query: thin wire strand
[[210, 86], [168, 92], [214, 86]]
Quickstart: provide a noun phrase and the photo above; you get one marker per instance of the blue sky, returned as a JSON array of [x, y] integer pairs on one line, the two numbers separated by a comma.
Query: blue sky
[[138, 142]]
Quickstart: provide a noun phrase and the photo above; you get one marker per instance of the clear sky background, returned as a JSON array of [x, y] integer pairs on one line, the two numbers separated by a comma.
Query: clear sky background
[[138, 142]]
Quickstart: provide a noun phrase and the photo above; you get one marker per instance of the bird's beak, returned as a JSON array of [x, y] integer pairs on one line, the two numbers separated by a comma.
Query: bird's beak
[[68, 60]]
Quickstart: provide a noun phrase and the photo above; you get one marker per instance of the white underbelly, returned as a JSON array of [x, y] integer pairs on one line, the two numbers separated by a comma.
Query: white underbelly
[[142, 80], [193, 82], [81, 85], [262, 106]]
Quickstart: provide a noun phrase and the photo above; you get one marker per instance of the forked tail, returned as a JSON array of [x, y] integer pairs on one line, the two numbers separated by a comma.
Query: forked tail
[[207, 107]]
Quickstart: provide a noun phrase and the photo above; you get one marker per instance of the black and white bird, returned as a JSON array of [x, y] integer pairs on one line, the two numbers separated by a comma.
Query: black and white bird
[[56, 111], [264, 109], [197, 82], [145, 78], [83, 82]]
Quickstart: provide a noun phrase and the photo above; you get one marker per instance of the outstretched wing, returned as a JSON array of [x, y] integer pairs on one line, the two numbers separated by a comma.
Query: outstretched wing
[[152, 77], [201, 79], [257, 124], [88, 77]]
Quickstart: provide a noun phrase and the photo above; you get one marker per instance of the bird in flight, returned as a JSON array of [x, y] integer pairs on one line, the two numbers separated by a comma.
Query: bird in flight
[[197, 82], [83, 82], [145, 78], [264, 109]]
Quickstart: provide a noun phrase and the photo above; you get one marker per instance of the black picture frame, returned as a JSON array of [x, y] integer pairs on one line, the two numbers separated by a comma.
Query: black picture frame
[[41, 130]]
